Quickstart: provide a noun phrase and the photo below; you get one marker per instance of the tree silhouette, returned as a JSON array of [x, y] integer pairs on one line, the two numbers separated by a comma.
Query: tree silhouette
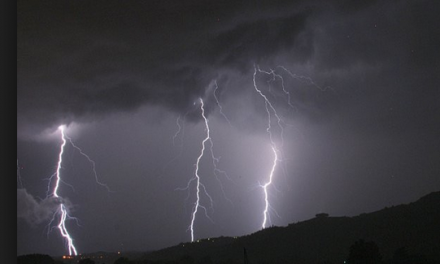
[[86, 261], [35, 259], [122, 260], [401, 256], [205, 260], [186, 259], [362, 252]]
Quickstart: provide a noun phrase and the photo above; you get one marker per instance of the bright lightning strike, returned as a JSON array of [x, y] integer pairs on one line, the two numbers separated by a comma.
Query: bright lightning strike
[[264, 186], [207, 143], [272, 112], [62, 212], [60, 162], [62, 209], [269, 107], [197, 176]]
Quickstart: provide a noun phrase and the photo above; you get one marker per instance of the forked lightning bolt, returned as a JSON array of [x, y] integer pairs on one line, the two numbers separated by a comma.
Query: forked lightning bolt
[[199, 185], [91, 162], [178, 131], [264, 186], [62, 211], [219, 105], [271, 111], [269, 107]]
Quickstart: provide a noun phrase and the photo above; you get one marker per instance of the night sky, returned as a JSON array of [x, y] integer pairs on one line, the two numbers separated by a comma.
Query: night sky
[[359, 125]]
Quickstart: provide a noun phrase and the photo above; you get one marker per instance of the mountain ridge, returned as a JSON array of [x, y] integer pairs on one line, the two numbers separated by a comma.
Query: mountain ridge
[[324, 239]]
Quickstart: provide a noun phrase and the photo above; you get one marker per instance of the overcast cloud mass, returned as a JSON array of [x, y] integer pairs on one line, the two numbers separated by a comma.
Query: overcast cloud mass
[[361, 131]]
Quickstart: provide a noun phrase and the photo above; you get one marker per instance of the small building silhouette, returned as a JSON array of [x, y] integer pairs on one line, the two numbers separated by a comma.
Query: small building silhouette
[[321, 215]]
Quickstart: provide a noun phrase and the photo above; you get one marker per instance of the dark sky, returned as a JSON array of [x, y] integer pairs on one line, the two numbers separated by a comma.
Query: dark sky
[[360, 132]]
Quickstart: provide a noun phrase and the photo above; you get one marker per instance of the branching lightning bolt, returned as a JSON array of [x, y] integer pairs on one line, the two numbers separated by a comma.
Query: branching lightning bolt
[[178, 131], [207, 142], [219, 105], [267, 184], [269, 108], [306, 79], [197, 176], [274, 76], [216, 160], [271, 111], [91, 162], [269, 105], [62, 209]]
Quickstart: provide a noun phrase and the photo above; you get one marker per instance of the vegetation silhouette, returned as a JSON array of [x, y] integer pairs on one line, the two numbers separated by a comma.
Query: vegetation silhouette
[[403, 234], [402, 256], [35, 259], [327, 239], [123, 260], [86, 261], [362, 252]]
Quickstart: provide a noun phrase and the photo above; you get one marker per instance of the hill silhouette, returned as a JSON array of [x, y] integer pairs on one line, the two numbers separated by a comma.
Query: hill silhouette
[[414, 227]]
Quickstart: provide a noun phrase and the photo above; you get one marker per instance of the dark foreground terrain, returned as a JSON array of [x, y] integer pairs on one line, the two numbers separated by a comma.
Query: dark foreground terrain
[[400, 234], [410, 231]]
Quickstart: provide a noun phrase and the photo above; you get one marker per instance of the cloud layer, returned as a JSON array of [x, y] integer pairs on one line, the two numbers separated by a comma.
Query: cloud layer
[[36, 212]]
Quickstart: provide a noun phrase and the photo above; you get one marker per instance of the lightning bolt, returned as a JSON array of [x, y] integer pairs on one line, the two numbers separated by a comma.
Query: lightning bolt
[[178, 130], [219, 105], [272, 112], [91, 162], [269, 108], [216, 160], [62, 209], [274, 77], [267, 184], [199, 185], [207, 145], [306, 79]]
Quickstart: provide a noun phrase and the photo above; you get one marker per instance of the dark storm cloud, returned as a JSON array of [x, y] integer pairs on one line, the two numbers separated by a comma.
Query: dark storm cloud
[[77, 60], [36, 212], [249, 42], [383, 61], [80, 60]]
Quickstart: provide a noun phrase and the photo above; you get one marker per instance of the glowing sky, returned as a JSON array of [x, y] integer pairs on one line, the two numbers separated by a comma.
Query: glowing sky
[[359, 132]]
